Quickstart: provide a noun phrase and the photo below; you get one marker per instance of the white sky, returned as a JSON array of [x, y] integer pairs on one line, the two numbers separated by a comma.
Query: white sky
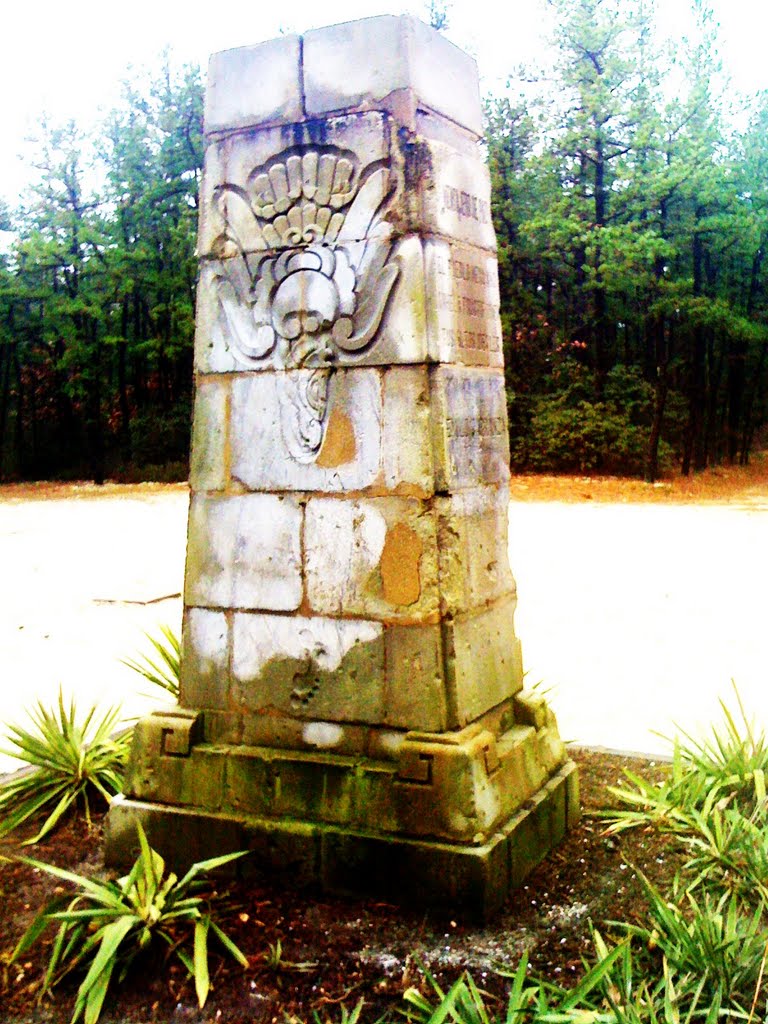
[[67, 57]]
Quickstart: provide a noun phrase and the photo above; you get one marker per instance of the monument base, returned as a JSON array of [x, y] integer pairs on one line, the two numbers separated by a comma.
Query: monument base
[[473, 876]]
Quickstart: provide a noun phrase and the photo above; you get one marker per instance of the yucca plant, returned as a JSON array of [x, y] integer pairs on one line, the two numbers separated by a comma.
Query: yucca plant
[[617, 988], [164, 671], [728, 768], [108, 924], [70, 761], [719, 941], [465, 1003]]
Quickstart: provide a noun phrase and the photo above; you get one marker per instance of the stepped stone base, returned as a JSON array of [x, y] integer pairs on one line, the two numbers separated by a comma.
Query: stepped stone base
[[454, 820]]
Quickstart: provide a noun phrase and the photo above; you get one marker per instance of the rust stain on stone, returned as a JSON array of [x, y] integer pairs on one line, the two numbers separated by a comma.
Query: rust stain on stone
[[400, 565], [339, 445]]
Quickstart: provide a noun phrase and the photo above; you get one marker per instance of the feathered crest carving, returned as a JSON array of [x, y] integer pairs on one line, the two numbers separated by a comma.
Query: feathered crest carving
[[304, 272]]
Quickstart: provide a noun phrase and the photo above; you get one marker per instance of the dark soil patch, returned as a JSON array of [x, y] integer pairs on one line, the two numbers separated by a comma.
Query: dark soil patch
[[336, 951]]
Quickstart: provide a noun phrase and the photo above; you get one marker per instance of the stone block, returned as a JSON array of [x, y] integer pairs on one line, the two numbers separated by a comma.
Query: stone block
[[462, 299], [251, 85], [244, 551], [282, 442], [375, 808], [181, 836], [445, 785], [415, 686], [483, 660], [309, 667], [472, 541], [313, 788], [539, 826], [470, 433], [222, 727], [339, 72], [455, 880], [523, 774], [205, 659], [248, 785], [167, 733], [468, 878], [289, 850], [373, 557], [370, 298], [208, 470], [283, 731], [166, 767], [530, 709], [406, 431], [519, 774], [216, 333], [456, 197]]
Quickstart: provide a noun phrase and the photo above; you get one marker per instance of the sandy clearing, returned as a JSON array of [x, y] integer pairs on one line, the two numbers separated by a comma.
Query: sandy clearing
[[82, 581], [635, 615], [638, 616]]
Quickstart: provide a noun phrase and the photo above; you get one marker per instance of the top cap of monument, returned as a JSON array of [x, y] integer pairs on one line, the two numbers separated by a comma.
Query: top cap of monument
[[371, 64]]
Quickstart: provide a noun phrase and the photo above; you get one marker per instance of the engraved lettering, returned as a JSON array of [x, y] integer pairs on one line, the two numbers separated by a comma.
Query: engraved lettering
[[464, 204]]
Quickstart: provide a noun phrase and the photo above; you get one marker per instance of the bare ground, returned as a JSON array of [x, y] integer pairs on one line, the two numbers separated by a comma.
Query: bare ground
[[355, 949]]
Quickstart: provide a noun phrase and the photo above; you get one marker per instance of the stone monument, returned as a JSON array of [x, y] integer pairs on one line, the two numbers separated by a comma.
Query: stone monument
[[352, 705]]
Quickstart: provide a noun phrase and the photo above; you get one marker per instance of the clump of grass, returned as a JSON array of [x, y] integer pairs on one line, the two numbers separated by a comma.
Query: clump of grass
[[104, 928], [70, 761]]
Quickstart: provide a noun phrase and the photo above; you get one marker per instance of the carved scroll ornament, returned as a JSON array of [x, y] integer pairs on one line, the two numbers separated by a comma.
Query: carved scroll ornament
[[305, 274]]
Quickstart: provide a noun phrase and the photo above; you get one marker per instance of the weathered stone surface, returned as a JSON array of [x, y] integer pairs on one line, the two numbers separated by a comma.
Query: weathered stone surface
[[455, 785], [181, 835], [457, 203], [214, 341], [339, 72], [254, 84], [371, 557], [244, 551], [239, 326], [472, 541], [474, 880], [205, 659], [407, 457], [310, 667], [279, 443], [416, 695], [248, 784], [484, 664], [462, 295], [208, 460], [469, 417]]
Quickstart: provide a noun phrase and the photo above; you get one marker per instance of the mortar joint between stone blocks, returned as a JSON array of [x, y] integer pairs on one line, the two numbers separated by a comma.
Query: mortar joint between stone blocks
[[303, 97]]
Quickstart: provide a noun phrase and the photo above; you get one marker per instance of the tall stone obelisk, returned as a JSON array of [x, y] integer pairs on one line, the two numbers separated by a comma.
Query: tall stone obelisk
[[351, 697]]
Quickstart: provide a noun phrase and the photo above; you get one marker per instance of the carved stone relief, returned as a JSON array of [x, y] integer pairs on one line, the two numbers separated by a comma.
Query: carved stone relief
[[304, 273]]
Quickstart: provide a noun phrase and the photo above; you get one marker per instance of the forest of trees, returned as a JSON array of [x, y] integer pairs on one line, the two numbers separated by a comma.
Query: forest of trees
[[97, 293], [631, 208], [632, 218]]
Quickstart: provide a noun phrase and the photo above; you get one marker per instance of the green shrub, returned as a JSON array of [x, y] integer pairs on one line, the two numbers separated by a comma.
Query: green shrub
[[570, 430]]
